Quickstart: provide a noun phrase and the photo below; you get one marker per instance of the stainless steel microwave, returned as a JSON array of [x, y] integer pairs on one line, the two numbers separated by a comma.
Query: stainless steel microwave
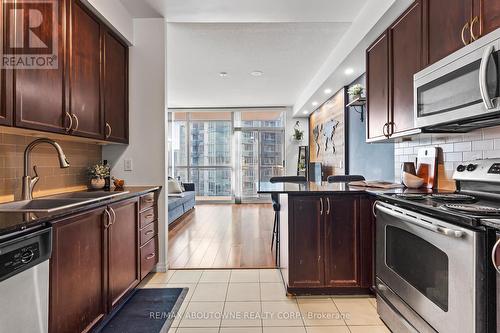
[[461, 92]]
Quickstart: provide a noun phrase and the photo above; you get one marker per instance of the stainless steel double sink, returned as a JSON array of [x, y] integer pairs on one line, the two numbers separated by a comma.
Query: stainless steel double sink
[[57, 202]]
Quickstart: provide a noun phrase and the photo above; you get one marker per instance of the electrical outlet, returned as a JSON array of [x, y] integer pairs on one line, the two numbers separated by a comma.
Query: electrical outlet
[[127, 164]]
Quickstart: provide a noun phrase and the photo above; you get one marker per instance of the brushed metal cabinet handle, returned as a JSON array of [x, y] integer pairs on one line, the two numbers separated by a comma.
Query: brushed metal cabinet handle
[[473, 37], [68, 116], [321, 206], [108, 130], [493, 256], [114, 215], [107, 221], [77, 123], [327, 206], [149, 232], [464, 28], [151, 256], [149, 216]]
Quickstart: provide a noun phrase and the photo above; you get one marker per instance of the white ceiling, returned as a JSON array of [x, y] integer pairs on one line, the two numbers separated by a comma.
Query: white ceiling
[[247, 10], [300, 45], [288, 54]]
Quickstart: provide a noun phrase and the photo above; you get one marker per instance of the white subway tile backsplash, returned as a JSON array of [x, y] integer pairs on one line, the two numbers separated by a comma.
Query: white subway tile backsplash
[[408, 151], [491, 133], [492, 154], [482, 145], [452, 157], [473, 155], [447, 148], [462, 146], [496, 144]]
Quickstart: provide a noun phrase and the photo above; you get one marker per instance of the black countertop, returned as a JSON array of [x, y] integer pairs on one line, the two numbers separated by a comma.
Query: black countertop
[[12, 222], [327, 188]]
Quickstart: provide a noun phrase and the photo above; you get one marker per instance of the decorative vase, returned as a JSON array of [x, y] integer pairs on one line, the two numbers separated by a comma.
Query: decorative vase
[[97, 183]]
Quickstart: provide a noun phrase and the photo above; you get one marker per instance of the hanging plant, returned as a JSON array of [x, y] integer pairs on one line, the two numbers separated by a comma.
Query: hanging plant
[[298, 133]]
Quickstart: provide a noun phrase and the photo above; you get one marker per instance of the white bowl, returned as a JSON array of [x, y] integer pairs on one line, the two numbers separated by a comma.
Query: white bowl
[[412, 181]]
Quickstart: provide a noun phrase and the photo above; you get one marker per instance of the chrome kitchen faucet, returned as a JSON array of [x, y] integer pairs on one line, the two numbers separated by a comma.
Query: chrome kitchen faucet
[[29, 182]]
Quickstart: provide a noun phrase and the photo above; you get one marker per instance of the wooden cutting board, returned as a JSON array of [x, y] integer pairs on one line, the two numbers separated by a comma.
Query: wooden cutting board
[[427, 166]]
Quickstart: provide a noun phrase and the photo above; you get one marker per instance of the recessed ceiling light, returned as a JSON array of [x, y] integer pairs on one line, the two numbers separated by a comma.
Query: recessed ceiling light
[[314, 103], [257, 73], [223, 74], [305, 112], [328, 91], [349, 71]]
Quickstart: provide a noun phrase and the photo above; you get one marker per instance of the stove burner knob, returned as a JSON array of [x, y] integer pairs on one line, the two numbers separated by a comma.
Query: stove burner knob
[[461, 168], [471, 167]]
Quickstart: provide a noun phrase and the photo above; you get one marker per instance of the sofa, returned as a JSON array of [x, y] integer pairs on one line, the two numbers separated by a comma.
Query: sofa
[[180, 204]]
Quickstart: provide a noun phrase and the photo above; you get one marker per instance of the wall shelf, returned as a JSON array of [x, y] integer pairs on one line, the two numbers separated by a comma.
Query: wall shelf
[[361, 101]]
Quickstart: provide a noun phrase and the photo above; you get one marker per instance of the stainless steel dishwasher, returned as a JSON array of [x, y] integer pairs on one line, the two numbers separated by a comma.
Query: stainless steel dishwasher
[[24, 280]]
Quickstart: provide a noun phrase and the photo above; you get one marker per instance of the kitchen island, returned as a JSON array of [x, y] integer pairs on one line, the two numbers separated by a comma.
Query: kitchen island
[[326, 237]]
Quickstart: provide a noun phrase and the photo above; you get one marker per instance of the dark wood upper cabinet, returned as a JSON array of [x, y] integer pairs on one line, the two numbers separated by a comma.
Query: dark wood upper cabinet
[[85, 72], [306, 242], [405, 57], [115, 88], [123, 250], [39, 94], [77, 256], [377, 68], [446, 27], [5, 78], [488, 16]]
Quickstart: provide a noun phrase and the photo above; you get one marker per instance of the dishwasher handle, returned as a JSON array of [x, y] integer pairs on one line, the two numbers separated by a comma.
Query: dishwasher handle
[[421, 222]]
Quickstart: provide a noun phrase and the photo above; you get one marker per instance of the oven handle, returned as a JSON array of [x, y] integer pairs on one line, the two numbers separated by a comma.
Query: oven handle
[[493, 259], [421, 223], [483, 80]]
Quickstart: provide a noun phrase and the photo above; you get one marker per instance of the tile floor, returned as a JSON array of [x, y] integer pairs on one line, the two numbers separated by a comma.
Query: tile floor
[[254, 301]]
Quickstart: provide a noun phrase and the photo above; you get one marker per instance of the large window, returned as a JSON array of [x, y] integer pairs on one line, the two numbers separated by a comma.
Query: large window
[[201, 146], [226, 153]]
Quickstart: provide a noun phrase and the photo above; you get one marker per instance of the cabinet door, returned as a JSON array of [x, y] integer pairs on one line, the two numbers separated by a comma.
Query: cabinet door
[[123, 250], [306, 242], [405, 37], [377, 63], [5, 77], [488, 14], [367, 241], [78, 256], [115, 88], [444, 21], [342, 242], [85, 72], [39, 94]]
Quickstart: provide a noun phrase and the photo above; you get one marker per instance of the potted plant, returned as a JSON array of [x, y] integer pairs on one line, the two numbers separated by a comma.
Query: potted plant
[[298, 133], [355, 91], [97, 174]]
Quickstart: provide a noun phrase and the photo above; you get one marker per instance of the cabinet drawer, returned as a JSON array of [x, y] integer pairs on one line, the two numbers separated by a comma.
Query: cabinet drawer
[[147, 217], [147, 200], [148, 232], [149, 257]]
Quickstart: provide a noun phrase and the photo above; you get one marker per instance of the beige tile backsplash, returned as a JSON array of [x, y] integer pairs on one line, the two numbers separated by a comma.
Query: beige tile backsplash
[[52, 178], [457, 148]]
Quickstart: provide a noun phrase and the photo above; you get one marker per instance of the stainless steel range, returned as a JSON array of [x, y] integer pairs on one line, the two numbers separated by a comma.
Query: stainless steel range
[[433, 271]]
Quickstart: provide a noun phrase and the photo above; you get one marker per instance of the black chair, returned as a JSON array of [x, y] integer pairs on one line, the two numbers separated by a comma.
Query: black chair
[[277, 208], [345, 178]]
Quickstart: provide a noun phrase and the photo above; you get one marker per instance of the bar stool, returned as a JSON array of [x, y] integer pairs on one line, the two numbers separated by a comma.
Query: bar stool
[[277, 208]]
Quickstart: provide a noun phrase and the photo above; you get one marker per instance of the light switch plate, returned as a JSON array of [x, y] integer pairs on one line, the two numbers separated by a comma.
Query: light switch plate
[[127, 164]]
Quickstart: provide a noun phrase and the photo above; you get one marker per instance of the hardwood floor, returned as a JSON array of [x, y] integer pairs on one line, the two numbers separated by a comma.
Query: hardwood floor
[[223, 236]]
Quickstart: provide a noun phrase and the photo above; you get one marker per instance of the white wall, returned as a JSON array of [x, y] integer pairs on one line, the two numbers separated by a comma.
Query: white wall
[[147, 119], [115, 14], [291, 146]]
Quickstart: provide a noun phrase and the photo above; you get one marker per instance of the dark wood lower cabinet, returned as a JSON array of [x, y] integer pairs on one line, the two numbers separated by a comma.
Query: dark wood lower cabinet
[[78, 273], [123, 250], [97, 261], [330, 244]]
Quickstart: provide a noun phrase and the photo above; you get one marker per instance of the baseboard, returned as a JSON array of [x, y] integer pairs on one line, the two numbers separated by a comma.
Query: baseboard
[[161, 267]]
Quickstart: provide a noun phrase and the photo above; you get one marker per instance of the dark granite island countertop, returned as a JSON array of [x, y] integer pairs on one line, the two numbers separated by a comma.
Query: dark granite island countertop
[[324, 188], [13, 222]]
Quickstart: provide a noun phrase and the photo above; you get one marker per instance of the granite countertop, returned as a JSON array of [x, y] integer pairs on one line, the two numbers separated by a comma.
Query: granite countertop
[[327, 188], [12, 222]]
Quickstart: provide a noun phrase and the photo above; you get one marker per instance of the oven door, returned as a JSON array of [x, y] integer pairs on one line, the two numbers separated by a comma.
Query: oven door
[[458, 88], [430, 265]]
